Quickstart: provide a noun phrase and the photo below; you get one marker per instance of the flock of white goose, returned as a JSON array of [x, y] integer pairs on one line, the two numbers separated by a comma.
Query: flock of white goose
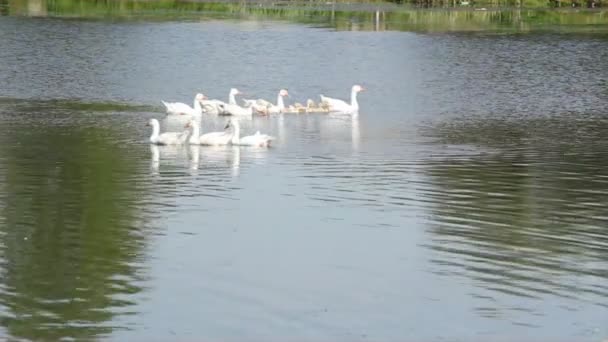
[[231, 134]]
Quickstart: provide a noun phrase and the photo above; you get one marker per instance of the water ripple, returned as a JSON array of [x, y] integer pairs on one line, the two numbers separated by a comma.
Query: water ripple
[[522, 222]]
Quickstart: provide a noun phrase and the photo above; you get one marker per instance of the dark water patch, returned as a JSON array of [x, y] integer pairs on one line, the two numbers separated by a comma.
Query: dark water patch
[[59, 105]]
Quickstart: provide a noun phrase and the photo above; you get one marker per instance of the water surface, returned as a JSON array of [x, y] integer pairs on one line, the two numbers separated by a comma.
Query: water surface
[[466, 201]]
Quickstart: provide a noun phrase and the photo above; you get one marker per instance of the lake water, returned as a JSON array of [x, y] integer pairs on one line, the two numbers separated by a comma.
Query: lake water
[[467, 201]]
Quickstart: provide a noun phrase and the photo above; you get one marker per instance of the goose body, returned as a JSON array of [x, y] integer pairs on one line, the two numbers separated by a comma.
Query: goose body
[[232, 108], [280, 107], [237, 110], [218, 107], [213, 107], [179, 108], [259, 105], [257, 139], [212, 138], [167, 138], [258, 102], [336, 105]]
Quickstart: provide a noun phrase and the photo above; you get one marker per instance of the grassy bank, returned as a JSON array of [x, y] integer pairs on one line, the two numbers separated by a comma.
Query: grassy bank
[[374, 16]]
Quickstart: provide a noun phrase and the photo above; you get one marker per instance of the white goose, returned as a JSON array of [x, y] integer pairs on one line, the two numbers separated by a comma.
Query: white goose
[[266, 107], [259, 105], [237, 110], [213, 107], [218, 107], [167, 138], [336, 105], [232, 94], [258, 102], [213, 138], [232, 108], [280, 107], [260, 140], [179, 108]]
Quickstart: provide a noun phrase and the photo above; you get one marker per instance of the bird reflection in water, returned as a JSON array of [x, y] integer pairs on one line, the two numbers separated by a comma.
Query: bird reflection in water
[[194, 156], [355, 133], [155, 159], [213, 157]]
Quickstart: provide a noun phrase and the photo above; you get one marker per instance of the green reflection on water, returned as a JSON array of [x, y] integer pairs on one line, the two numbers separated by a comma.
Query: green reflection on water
[[69, 247], [362, 16]]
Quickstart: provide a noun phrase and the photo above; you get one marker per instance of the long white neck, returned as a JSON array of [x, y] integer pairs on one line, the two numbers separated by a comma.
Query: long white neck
[[194, 136], [155, 130], [236, 132], [280, 103], [231, 99], [197, 107], [353, 100]]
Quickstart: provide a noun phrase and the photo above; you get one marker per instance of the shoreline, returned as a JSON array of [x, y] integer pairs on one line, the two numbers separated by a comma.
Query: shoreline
[[360, 16], [349, 6]]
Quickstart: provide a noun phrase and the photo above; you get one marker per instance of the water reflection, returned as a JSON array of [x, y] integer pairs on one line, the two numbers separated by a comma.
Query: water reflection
[[213, 168], [194, 152], [355, 133], [236, 161], [341, 128], [169, 159], [526, 215], [154, 159], [69, 248]]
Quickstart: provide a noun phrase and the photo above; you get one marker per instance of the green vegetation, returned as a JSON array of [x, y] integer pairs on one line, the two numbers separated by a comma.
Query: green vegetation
[[341, 16]]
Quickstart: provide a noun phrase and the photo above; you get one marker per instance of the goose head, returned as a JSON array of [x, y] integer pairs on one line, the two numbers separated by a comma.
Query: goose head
[[200, 97], [357, 88], [283, 92], [234, 91]]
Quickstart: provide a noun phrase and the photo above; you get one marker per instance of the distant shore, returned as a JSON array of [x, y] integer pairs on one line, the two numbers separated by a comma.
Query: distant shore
[[361, 6], [339, 15], [365, 5]]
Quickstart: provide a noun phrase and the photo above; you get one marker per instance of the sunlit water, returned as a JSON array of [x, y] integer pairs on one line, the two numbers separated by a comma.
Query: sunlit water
[[467, 201]]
